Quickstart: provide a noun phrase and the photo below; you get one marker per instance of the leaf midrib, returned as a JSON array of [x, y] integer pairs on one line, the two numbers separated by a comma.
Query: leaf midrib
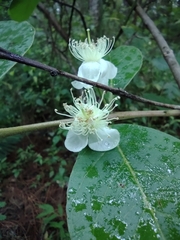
[[147, 203]]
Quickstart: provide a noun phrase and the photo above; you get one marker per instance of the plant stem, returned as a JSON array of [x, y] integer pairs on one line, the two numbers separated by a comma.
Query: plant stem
[[163, 45], [5, 132], [4, 54]]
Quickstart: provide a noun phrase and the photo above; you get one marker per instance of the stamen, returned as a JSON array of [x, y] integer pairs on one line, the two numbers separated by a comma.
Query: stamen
[[86, 113], [88, 35], [110, 106], [90, 50], [102, 98], [62, 114]]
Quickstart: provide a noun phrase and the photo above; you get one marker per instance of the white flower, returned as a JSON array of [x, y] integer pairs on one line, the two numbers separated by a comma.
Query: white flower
[[93, 68], [89, 125]]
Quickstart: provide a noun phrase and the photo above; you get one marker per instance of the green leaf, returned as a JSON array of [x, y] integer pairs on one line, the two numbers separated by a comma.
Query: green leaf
[[40, 102], [58, 225], [16, 38], [48, 219], [60, 210], [131, 192], [2, 204], [20, 10], [2, 217], [128, 60], [47, 209], [160, 63]]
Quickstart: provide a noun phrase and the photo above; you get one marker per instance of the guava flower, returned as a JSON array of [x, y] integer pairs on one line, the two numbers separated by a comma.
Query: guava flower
[[93, 68], [89, 123]]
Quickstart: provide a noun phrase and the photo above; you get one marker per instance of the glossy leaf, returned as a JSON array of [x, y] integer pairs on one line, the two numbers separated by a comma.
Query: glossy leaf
[[20, 10], [131, 192], [128, 60], [16, 38]]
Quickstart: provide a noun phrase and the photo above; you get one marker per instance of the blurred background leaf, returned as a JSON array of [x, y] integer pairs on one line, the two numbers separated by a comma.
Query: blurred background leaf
[[20, 10], [128, 60], [16, 38]]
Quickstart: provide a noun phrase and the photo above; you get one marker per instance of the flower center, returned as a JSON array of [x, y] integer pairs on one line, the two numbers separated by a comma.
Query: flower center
[[88, 120], [87, 115], [90, 51]]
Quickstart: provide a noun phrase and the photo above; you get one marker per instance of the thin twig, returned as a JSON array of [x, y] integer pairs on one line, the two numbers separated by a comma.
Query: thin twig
[[71, 17], [79, 12], [139, 114], [53, 20], [4, 54], [125, 21], [5, 132], [163, 45]]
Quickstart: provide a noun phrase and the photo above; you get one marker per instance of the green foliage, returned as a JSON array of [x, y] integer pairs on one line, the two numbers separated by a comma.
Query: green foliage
[[28, 154], [16, 38], [130, 192], [59, 176], [15, 168], [128, 60], [8, 145], [2, 216], [50, 217], [50, 168], [20, 10]]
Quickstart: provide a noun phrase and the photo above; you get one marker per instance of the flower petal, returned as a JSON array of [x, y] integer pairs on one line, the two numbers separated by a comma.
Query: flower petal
[[88, 70], [109, 139], [104, 80], [74, 142], [108, 71], [78, 85]]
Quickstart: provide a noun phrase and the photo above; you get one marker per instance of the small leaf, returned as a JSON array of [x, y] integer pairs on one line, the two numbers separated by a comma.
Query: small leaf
[[2, 217], [58, 225], [47, 209], [128, 60], [2, 204], [20, 10], [48, 219], [16, 38], [131, 192], [60, 210], [40, 102], [160, 63]]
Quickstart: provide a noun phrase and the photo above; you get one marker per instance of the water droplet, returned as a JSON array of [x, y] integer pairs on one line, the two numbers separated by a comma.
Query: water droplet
[[72, 190], [169, 171], [107, 144], [79, 204]]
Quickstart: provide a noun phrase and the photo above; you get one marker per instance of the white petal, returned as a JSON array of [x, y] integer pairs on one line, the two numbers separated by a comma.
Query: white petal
[[78, 85], [108, 71], [109, 139], [104, 80], [74, 142], [90, 70]]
